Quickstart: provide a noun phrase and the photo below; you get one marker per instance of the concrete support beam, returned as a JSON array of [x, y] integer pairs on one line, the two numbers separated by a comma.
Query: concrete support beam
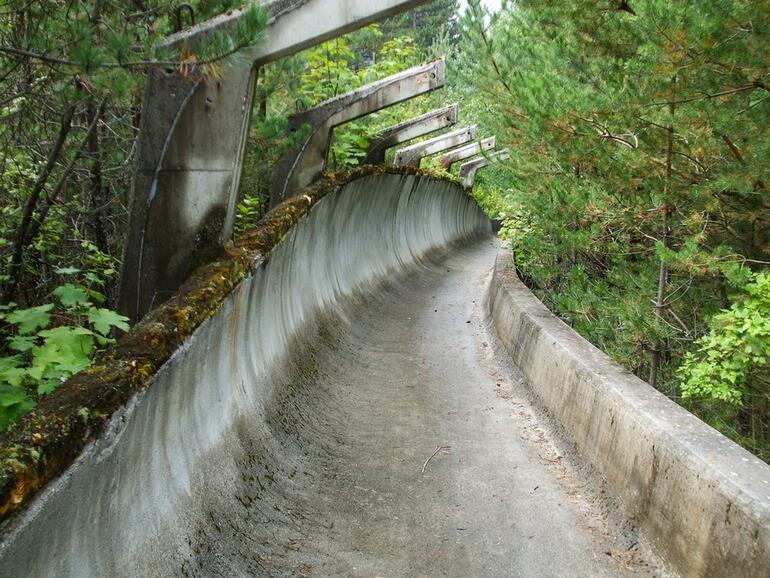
[[411, 129], [468, 170], [468, 151], [299, 167], [412, 155], [191, 142]]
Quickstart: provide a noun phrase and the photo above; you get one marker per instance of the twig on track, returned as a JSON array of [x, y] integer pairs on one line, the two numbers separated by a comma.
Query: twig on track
[[438, 449]]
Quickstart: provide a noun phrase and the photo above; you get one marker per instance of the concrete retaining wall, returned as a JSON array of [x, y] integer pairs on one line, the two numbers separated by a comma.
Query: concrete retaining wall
[[701, 499], [193, 458]]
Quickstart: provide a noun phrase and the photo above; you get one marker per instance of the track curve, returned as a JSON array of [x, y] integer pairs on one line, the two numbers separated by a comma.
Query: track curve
[[339, 416]]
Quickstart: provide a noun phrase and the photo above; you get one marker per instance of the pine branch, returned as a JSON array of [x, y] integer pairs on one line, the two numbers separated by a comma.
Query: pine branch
[[754, 85], [132, 65], [733, 149]]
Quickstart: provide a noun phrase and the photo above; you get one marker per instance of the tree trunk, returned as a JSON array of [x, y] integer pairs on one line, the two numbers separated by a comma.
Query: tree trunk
[[95, 203], [36, 224], [660, 300]]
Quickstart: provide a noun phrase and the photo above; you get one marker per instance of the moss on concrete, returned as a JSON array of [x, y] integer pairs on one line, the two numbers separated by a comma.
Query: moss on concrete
[[50, 438]]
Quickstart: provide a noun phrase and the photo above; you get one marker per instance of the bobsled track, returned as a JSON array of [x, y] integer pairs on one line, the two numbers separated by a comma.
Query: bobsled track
[[349, 410]]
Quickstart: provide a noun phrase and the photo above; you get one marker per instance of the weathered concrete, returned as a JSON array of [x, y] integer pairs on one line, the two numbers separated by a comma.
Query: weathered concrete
[[468, 170], [219, 422], [46, 441], [412, 155], [702, 500], [191, 143], [411, 129], [296, 432], [468, 151], [298, 168]]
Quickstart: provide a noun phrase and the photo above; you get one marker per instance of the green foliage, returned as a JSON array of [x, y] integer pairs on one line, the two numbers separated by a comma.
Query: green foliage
[[71, 296], [103, 320], [595, 102], [427, 23], [46, 344], [734, 356], [729, 371], [29, 320]]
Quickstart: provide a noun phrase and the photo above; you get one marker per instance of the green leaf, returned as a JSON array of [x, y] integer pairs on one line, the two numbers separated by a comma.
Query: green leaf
[[96, 296], [10, 396], [94, 278], [66, 270], [104, 319], [22, 343], [14, 403], [71, 296], [31, 319], [11, 370], [46, 386], [66, 350]]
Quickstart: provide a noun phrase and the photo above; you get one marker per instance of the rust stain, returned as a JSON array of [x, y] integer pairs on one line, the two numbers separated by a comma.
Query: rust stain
[[650, 487]]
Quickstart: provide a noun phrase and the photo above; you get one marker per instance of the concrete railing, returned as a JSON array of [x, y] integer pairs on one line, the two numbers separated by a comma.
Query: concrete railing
[[702, 500]]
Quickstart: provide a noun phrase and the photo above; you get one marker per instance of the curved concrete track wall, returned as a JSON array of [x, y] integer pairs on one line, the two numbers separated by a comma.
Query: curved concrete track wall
[[703, 500], [178, 455]]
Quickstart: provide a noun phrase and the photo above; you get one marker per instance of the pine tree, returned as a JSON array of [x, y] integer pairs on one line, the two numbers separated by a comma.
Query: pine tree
[[638, 183]]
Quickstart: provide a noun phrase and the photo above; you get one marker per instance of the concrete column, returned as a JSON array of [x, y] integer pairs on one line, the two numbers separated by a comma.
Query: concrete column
[[412, 155], [191, 142], [468, 170], [301, 166], [411, 129], [467, 152]]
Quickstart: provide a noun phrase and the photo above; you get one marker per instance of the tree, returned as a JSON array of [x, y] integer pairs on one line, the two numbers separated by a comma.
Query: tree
[[637, 184]]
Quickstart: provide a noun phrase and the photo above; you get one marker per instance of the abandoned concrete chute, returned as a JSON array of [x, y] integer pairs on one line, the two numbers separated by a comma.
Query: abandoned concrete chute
[[359, 386]]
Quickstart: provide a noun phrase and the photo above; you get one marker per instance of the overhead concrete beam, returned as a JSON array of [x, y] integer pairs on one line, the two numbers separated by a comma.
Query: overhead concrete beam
[[468, 151], [468, 170], [412, 155], [297, 24], [298, 167], [192, 138], [411, 129]]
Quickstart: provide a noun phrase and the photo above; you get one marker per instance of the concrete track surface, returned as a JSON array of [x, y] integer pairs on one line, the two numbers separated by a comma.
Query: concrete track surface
[[346, 413], [434, 463]]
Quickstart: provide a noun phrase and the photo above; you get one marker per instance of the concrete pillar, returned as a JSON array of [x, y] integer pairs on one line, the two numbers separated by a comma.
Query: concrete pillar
[[467, 151], [191, 142], [468, 170], [299, 167], [412, 155], [411, 129]]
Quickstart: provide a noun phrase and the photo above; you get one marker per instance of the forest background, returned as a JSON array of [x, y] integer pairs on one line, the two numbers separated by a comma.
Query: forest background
[[635, 200]]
